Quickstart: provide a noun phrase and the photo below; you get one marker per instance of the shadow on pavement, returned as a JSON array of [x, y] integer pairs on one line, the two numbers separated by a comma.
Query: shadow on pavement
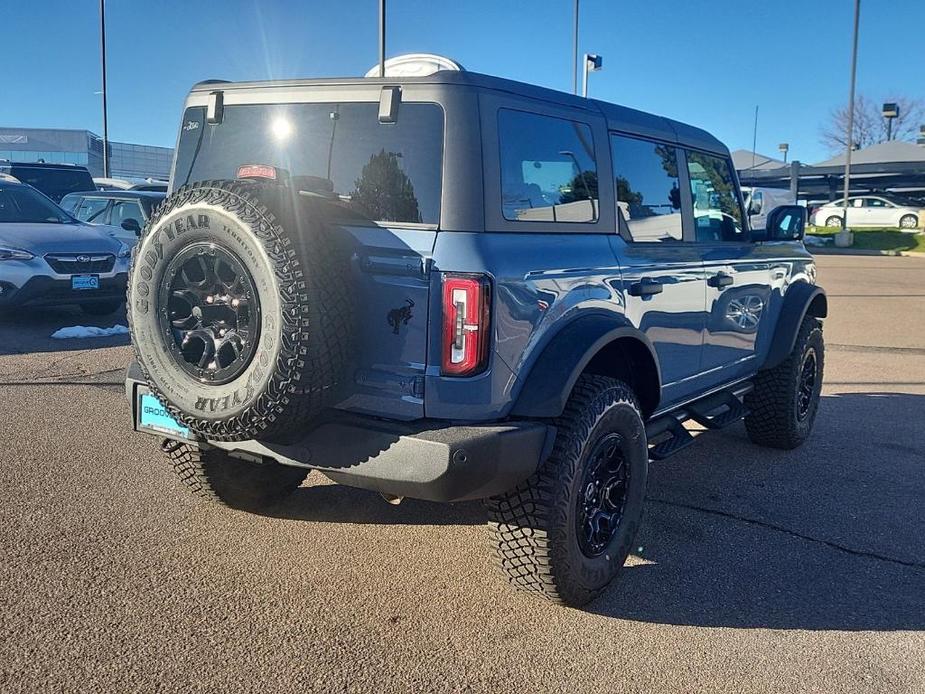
[[825, 537], [28, 330]]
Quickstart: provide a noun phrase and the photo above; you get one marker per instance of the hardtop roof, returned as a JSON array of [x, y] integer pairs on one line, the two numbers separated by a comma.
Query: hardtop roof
[[622, 118]]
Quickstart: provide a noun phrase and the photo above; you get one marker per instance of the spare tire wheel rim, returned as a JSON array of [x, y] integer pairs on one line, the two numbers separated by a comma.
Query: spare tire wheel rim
[[209, 313]]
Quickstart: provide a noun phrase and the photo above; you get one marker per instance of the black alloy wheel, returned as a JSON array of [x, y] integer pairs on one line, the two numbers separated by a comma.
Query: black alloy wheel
[[603, 495], [210, 313]]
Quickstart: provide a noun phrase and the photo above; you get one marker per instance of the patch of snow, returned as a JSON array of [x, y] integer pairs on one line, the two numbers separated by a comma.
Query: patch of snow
[[88, 331]]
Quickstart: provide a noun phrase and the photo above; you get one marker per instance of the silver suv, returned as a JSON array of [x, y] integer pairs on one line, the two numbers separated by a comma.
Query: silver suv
[[48, 258]]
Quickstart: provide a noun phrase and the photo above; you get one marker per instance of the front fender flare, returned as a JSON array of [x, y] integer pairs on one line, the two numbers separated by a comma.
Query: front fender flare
[[549, 383], [801, 299]]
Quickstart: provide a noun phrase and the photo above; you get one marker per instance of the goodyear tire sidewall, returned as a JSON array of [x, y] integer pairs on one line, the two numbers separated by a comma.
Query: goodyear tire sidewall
[[203, 406]]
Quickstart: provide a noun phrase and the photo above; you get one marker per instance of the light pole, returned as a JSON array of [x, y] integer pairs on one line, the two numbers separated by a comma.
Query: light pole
[[575, 52], [381, 38], [593, 63], [784, 147], [103, 63], [890, 111], [844, 238]]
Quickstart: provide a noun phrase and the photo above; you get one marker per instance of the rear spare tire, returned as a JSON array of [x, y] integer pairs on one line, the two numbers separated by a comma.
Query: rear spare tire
[[238, 314]]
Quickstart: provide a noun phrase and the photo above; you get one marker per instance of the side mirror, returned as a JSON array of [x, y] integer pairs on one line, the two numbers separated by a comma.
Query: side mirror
[[754, 207], [786, 223], [132, 225]]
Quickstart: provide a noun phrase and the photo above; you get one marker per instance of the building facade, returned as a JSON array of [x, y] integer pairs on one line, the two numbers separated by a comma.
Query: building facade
[[82, 147]]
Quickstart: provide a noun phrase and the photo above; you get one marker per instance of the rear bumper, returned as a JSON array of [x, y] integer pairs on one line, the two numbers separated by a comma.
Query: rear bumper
[[427, 459], [50, 291]]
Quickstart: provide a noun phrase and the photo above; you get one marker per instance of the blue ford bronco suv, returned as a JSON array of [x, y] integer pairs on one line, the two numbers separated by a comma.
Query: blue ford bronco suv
[[454, 287]]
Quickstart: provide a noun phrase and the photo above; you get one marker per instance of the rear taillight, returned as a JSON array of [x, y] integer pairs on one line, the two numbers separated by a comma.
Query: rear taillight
[[466, 312]]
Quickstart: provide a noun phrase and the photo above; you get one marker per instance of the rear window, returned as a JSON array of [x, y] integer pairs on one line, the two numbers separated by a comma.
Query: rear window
[[55, 183], [387, 172]]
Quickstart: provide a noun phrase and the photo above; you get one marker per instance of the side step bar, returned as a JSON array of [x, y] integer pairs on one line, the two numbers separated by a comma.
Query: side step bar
[[715, 411]]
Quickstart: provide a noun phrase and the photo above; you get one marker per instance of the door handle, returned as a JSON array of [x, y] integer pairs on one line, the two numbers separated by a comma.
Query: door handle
[[645, 287], [720, 280]]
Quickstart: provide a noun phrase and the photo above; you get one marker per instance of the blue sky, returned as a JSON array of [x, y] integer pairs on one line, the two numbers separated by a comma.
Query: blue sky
[[707, 63]]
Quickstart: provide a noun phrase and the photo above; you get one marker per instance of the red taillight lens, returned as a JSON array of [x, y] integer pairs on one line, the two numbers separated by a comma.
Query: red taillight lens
[[466, 312]]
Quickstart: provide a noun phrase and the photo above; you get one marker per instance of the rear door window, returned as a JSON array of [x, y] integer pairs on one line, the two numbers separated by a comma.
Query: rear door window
[[717, 212], [383, 172], [548, 171], [648, 189]]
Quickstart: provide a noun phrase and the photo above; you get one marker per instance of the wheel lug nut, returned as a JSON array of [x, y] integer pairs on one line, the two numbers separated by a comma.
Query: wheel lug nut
[[235, 302], [210, 299]]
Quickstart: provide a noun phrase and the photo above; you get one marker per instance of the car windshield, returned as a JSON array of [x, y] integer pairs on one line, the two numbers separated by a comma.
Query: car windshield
[[23, 204], [384, 172]]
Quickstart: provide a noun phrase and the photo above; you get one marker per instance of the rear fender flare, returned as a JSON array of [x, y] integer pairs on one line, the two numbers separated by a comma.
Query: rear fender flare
[[550, 380]]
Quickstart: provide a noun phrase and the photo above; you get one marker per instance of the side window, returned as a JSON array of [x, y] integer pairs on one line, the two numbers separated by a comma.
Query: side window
[[875, 202], [91, 210], [123, 210], [648, 189], [717, 213], [548, 173]]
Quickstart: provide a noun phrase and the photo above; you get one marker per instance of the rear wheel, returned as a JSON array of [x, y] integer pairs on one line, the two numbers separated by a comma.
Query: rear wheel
[[565, 532], [213, 475], [908, 221], [785, 400]]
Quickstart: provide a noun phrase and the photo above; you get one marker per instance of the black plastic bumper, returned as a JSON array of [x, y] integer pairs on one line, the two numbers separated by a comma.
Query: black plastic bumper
[[426, 459], [48, 291]]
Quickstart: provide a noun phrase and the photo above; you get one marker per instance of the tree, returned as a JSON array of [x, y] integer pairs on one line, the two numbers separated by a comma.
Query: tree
[[384, 192], [869, 124]]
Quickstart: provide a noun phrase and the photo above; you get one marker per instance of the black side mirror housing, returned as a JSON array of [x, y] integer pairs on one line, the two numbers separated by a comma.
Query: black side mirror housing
[[132, 225], [754, 207], [785, 223]]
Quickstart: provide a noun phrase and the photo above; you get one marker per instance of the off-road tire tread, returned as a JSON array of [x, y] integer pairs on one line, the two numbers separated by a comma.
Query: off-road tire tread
[[772, 404], [528, 524], [214, 476]]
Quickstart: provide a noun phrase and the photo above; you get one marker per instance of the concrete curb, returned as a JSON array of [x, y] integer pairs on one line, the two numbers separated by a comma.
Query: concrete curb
[[822, 250]]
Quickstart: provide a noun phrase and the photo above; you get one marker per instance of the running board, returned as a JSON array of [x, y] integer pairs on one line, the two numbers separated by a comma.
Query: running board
[[715, 411]]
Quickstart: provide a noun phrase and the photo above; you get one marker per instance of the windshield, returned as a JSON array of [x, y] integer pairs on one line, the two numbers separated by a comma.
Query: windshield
[[55, 183], [386, 172], [22, 204]]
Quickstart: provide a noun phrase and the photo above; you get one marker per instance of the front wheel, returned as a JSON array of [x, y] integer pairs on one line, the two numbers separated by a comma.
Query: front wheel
[[833, 222], [785, 400], [565, 532], [908, 221]]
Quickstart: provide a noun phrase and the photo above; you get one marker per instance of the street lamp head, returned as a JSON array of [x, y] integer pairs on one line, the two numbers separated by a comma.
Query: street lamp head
[[593, 62]]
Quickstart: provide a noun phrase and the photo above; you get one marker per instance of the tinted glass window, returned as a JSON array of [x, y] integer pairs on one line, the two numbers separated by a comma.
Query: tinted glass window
[[648, 190], [717, 214], [91, 210], [875, 202], [126, 209], [381, 171], [548, 173], [21, 204], [55, 183]]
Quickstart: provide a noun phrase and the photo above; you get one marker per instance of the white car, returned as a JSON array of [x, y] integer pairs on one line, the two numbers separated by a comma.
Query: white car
[[870, 211]]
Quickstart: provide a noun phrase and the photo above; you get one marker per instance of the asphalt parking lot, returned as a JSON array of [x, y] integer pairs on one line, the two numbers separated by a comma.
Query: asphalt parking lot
[[756, 570]]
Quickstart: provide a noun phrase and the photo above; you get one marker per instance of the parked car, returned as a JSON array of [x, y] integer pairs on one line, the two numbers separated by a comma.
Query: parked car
[[871, 211], [760, 201], [54, 180], [48, 258], [337, 285], [126, 211]]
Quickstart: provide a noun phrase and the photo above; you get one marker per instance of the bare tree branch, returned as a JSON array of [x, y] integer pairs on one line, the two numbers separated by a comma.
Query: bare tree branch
[[869, 125]]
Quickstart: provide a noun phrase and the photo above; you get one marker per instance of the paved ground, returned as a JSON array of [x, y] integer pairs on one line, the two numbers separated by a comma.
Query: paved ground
[[756, 570]]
